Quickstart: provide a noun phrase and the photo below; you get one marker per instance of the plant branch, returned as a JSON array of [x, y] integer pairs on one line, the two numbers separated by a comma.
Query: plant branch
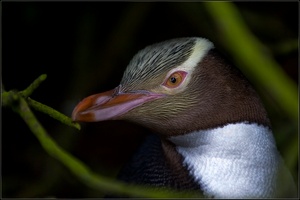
[[82, 171], [52, 113], [13, 96], [34, 85], [19, 101]]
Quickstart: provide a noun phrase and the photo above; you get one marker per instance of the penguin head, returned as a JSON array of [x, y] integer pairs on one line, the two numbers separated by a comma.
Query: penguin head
[[175, 87]]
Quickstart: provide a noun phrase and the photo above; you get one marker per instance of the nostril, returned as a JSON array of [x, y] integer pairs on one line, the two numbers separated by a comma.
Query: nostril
[[117, 91]]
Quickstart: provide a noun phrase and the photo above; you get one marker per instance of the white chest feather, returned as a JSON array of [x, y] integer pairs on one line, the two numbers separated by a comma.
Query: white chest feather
[[235, 161]]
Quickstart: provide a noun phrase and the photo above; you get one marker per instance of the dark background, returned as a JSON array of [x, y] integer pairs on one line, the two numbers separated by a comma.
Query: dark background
[[84, 49]]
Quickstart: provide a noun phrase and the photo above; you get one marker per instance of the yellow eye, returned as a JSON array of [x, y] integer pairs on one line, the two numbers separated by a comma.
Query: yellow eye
[[175, 79]]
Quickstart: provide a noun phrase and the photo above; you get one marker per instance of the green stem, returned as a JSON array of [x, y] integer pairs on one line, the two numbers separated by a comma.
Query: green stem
[[8, 98], [83, 172], [13, 96], [52, 113], [18, 103], [35, 84]]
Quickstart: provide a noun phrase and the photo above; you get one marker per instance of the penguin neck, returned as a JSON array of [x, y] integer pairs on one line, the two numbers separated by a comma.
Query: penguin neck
[[235, 160]]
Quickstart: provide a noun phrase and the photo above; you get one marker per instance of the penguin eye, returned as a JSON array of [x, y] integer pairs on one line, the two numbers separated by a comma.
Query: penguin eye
[[175, 79]]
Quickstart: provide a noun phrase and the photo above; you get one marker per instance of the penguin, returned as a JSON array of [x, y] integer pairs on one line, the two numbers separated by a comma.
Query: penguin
[[211, 132]]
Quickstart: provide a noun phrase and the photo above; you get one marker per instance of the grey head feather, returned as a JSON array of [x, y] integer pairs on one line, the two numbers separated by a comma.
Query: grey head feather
[[155, 59]]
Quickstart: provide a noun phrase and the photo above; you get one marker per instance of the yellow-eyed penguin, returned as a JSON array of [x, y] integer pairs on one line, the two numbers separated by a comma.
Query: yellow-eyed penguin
[[213, 133]]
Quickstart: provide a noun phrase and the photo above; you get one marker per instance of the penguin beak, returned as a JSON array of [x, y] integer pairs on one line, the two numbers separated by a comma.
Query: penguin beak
[[111, 104]]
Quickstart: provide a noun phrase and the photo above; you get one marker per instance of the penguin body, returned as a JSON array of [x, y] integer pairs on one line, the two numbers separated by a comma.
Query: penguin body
[[149, 166], [213, 133], [228, 166]]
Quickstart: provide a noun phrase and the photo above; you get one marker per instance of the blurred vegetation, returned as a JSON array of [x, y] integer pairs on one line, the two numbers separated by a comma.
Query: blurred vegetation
[[85, 47]]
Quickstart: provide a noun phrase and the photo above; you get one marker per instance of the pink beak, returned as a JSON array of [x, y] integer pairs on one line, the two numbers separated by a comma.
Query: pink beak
[[111, 104]]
